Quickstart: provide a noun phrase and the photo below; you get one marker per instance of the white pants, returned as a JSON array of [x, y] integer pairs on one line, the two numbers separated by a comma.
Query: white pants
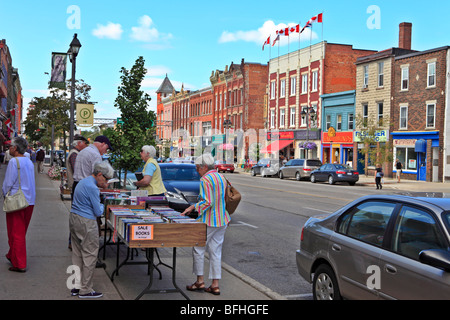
[[214, 242]]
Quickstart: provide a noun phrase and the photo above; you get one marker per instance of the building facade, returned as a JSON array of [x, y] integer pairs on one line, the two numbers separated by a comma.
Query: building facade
[[419, 114], [296, 83]]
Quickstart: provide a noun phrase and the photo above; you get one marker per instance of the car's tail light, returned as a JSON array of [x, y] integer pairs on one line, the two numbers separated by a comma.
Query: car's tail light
[[268, 165], [356, 172], [306, 169], [301, 235], [340, 172]]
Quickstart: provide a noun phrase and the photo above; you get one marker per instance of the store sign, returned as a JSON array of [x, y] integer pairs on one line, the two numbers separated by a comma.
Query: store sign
[[142, 232], [337, 137], [280, 135], [379, 136]]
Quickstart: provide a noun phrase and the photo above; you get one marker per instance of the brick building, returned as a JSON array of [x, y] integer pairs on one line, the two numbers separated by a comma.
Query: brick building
[[238, 109], [374, 90], [296, 82], [419, 116]]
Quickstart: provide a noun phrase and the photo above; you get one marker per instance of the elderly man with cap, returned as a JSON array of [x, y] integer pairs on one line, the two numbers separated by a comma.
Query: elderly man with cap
[[79, 143], [88, 157]]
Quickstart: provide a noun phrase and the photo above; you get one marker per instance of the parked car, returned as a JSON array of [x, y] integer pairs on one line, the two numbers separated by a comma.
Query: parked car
[[266, 167], [299, 168], [379, 247], [221, 165], [335, 173], [182, 183]]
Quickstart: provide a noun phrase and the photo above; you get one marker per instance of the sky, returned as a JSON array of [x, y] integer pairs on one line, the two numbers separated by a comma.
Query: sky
[[187, 40]]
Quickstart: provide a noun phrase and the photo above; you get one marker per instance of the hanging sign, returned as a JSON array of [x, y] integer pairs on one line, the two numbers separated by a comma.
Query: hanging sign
[[85, 115]]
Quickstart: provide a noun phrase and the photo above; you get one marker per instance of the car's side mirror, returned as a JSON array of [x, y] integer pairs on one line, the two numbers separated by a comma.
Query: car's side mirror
[[436, 257]]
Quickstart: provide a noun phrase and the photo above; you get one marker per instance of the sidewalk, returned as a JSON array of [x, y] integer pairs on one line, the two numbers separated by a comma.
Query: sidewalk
[[48, 259]]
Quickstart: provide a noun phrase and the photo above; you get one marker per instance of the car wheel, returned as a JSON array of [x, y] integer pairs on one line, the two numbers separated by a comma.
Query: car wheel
[[281, 175], [331, 180], [313, 178], [325, 286], [352, 183], [253, 173], [298, 176]]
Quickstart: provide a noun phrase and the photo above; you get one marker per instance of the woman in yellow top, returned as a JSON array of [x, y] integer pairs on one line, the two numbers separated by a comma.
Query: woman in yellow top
[[152, 181]]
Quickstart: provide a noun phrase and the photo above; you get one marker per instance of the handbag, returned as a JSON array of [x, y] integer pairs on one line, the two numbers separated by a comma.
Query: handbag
[[16, 201], [232, 198]]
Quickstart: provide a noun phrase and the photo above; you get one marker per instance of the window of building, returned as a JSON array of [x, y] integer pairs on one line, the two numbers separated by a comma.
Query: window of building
[[365, 115], [272, 90], [431, 74], [304, 83], [292, 117], [339, 122], [380, 74], [328, 121], [314, 80], [405, 78], [293, 85], [282, 117], [350, 121], [431, 115], [403, 117], [272, 118], [282, 88], [408, 157], [380, 114], [366, 76]]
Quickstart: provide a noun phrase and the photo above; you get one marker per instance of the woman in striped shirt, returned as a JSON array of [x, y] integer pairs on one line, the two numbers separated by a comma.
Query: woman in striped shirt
[[211, 210]]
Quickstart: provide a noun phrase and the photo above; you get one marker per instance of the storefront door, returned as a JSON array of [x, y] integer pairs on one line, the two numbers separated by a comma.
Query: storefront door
[[422, 166]]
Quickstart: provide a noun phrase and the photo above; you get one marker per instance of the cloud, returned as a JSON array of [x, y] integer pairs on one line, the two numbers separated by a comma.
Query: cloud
[[156, 71], [110, 31], [148, 33], [260, 35]]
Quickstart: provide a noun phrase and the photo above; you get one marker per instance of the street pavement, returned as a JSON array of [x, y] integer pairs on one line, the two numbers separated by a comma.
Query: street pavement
[[49, 259]]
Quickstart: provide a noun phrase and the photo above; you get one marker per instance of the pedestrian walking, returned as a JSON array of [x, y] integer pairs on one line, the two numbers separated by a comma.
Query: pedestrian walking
[[211, 210], [86, 208], [17, 222], [378, 176], [399, 167], [152, 180], [40, 156]]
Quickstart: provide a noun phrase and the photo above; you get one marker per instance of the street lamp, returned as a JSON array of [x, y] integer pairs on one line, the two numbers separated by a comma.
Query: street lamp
[[227, 124], [74, 48], [310, 112]]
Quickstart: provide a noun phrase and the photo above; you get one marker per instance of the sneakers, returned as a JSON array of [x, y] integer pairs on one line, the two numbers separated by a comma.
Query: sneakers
[[90, 295]]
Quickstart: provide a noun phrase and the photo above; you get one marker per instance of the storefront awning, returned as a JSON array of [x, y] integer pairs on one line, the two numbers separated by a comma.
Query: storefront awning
[[276, 146]]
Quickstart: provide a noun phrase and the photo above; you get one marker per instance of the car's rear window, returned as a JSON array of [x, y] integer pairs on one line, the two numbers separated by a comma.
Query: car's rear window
[[314, 163]]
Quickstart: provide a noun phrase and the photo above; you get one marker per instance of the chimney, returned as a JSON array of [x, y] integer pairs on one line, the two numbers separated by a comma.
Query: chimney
[[405, 32]]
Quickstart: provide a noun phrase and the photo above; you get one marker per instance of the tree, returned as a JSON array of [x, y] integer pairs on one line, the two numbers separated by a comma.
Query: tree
[[136, 129], [53, 110], [374, 151]]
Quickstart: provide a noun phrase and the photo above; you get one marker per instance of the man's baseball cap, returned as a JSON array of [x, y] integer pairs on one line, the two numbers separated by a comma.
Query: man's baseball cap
[[81, 138], [104, 140]]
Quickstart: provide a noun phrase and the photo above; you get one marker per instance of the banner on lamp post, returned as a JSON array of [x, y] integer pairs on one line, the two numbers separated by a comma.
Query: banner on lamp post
[[58, 75], [85, 115]]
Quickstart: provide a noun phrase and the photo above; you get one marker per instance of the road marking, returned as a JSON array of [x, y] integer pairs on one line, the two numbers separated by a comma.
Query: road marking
[[287, 191], [242, 224], [316, 210]]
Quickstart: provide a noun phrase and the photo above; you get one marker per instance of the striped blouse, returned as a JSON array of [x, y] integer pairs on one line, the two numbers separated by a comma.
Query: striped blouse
[[211, 207]]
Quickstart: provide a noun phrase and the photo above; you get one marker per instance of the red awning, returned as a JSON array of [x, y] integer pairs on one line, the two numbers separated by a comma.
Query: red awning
[[276, 146]]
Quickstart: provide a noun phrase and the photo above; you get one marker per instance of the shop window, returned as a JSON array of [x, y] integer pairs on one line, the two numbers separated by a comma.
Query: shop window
[[408, 157]]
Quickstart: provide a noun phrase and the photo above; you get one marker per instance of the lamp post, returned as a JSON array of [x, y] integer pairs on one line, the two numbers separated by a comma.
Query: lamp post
[[74, 48], [309, 111], [226, 125]]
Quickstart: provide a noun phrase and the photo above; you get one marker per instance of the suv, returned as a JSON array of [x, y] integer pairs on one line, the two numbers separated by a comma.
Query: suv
[[266, 167], [299, 168]]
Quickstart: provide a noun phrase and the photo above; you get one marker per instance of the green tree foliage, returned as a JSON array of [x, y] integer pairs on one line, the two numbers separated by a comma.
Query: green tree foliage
[[53, 110], [136, 130]]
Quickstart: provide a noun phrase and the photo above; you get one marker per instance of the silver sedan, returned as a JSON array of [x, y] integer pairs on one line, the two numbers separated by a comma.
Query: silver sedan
[[379, 247]]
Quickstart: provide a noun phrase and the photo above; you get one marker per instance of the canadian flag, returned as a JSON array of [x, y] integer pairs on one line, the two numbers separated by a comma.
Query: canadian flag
[[267, 42], [317, 18], [276, 39], [8, 124], [294, 29]]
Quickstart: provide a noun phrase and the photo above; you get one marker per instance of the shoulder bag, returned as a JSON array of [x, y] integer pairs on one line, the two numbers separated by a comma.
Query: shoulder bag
[[16, 201], [232, 198]]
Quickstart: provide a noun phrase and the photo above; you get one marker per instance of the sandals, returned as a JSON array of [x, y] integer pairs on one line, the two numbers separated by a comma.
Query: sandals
[[213, 290], [196, 286]]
